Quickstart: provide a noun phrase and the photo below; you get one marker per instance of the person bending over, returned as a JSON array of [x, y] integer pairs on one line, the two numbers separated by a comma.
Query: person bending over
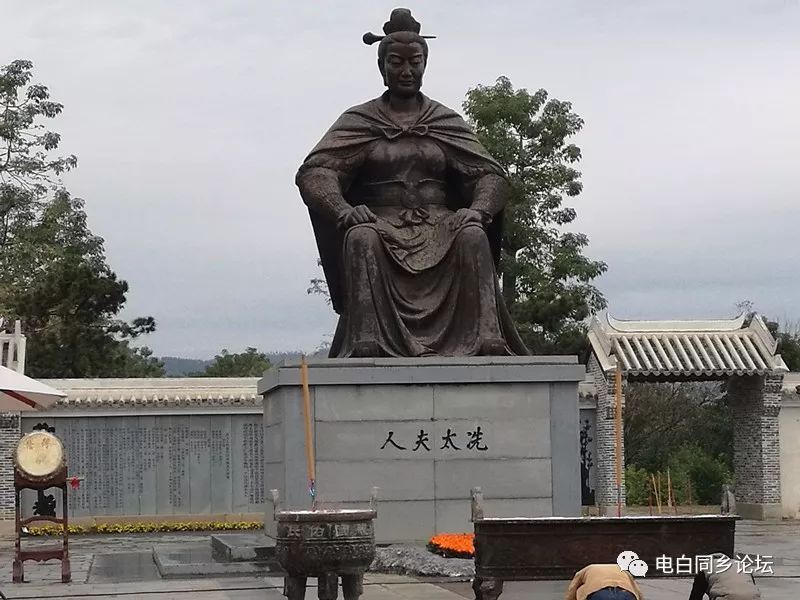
[[603, 582], [724, 579]]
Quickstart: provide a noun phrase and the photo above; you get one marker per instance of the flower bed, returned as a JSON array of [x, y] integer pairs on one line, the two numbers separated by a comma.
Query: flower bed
[[148, 527], [453, 545]]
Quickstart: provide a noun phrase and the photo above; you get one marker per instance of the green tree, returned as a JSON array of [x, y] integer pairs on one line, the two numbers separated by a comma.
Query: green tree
[[787, 335], [637, 485], [789, 347], [694, 466], [684, 427], [696, 475], [27, 171], [250, 363], [660, 419], [546, 278], [53, 272]]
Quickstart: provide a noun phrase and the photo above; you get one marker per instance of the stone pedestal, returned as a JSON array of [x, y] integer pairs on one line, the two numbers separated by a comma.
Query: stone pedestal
[[426, 431]]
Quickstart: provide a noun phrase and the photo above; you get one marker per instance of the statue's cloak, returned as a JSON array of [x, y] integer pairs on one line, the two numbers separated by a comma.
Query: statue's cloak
[[344, 147]]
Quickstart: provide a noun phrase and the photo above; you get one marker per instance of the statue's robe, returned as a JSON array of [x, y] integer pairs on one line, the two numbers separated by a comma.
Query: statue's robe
[[411, 284]]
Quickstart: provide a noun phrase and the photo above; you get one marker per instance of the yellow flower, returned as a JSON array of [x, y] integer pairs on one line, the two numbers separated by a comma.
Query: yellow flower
[[147, 527]]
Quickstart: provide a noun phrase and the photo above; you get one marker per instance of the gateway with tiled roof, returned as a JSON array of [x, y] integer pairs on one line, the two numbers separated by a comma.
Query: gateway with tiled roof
[[685, 348], [741, 351]]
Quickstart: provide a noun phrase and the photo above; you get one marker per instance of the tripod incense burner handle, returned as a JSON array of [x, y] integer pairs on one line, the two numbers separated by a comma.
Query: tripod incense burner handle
[[476, 504], [276, 503]]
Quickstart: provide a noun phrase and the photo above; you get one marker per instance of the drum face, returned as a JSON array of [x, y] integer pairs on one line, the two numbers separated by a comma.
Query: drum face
[[40, 455]]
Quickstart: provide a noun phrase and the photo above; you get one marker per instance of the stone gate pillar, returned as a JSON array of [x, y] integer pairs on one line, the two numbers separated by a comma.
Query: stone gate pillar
[[756, 404], [9, 438], [605, 440]]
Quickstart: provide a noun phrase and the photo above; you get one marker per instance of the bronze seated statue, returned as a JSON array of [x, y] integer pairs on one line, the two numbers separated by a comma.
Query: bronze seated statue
[[406, 206]]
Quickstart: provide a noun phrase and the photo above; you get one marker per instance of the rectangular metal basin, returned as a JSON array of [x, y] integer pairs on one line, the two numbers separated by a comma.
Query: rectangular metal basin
[[557, 547]]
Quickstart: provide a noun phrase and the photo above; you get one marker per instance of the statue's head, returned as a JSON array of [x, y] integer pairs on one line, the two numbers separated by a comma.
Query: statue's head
[[402, 53]]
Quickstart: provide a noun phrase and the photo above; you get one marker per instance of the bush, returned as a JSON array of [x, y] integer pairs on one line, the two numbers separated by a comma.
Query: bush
[[697, 478], [705, 473], [637, 485]]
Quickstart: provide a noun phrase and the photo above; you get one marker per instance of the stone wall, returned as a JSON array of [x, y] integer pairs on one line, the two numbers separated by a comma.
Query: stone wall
[[606, 482], [790, 455], [756, 403], [9, 437], [157, 464]]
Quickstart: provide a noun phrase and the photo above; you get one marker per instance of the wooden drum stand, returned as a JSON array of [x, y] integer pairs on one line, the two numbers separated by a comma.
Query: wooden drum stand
[[56, 478]]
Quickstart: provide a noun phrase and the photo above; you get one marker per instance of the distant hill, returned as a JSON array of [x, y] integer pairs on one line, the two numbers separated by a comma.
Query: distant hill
[[175, 366], [181, 367], [277, 358]]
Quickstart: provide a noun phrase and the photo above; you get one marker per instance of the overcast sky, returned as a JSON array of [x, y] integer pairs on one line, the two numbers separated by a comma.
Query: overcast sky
[[190, 118]]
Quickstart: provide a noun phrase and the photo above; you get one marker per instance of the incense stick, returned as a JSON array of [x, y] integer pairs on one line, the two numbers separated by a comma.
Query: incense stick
[[310, 466]]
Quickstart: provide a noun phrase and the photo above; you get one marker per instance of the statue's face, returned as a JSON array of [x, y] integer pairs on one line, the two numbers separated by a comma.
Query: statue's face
[[403, 68]]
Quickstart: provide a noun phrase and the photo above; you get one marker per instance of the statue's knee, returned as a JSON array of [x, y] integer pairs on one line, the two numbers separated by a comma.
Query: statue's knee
[[361, 238], [473, 237]]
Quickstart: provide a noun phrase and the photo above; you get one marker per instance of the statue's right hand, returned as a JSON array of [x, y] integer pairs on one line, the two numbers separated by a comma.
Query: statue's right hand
[[356, 216]]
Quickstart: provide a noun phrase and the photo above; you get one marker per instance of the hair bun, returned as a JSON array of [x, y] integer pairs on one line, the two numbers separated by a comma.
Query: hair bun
[[401, 20]]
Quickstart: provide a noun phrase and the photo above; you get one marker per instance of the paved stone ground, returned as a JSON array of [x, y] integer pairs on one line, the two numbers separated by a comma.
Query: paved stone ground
[[377, 588], [106, 558], [121, 567]]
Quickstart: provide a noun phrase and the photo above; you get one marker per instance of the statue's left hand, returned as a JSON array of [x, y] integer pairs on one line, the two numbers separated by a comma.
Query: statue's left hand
[[466, 215]]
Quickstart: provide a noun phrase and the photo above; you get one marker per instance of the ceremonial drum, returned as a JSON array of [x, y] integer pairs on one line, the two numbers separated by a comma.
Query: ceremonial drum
[[39, 456]]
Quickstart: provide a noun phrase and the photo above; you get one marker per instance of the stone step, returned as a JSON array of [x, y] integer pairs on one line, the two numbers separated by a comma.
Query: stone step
[[197, 561], [243, 547]]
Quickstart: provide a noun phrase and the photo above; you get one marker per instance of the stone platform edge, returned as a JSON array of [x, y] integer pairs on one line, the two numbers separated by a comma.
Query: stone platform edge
[[422, 371]]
